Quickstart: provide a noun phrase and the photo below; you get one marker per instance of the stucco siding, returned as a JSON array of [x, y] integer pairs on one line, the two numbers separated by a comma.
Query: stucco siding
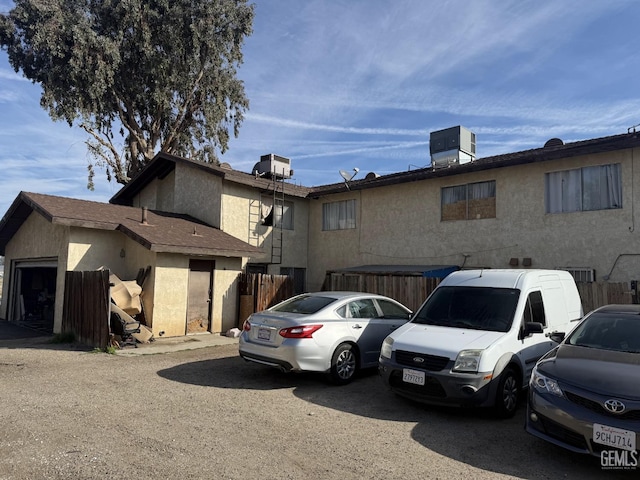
[[170, 296], [225, 294], [198, 194], [37, 238], [158, 194], [401, 224]]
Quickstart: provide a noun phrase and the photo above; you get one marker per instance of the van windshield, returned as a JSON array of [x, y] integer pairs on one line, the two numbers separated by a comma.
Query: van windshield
[[478, 308]]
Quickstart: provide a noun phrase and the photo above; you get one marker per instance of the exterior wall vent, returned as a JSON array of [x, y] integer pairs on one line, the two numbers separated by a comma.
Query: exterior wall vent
[[273, 166], [581, 274], [452, 146]]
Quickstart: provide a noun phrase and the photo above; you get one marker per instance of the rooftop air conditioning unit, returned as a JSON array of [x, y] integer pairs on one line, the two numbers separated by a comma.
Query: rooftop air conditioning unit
[[452, 146], [273, 166]]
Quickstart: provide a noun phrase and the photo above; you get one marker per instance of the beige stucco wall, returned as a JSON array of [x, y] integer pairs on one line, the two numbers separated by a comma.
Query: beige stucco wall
[[171, 294], [401, 224], [225, 294], [37, 238], [158, 194], [198, 194], [241, 218]]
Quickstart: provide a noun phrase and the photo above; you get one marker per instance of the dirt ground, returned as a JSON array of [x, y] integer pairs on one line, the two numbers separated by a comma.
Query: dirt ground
[[68, 413]]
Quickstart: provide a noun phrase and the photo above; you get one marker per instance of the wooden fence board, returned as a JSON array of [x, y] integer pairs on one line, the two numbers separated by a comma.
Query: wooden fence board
[[86, 307]]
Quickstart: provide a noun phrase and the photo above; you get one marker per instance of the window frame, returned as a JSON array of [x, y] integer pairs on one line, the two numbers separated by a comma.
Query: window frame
[[585, 189], [343, 215], [472, 192]]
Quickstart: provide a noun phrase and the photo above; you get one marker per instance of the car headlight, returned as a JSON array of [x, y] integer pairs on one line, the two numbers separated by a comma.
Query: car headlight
[[467, 361], [544, 384], [387, 347]]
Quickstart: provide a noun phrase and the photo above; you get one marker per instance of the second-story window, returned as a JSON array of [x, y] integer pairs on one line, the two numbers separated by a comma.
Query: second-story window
[[469, 202], [280, 215], [339, 215], [583, 189]]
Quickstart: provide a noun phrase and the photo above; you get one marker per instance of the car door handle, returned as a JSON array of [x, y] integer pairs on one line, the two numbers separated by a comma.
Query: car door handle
[[357, 325]]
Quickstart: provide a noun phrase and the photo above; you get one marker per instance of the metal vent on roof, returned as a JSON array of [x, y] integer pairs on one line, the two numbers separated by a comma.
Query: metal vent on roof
[[553, 142]]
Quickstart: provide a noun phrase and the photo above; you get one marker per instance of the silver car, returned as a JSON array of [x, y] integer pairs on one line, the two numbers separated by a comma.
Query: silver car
[[584, 394], [333, 332]]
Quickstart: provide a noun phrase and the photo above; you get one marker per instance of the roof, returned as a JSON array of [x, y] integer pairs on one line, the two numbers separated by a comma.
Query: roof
[[163, 232], [554, 150], [163, 164]]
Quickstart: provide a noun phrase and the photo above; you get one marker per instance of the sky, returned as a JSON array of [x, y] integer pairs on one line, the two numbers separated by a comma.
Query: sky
[[339, 84]]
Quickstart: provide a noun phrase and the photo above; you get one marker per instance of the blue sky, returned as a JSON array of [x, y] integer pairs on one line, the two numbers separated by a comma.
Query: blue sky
[[340, 84]]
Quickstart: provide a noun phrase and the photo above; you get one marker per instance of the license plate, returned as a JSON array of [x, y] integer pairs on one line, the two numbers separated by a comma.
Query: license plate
[[264, 334], [413, 376], [614, 437]]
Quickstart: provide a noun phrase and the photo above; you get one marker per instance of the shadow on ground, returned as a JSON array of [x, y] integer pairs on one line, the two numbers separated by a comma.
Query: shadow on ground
[[471, 436]]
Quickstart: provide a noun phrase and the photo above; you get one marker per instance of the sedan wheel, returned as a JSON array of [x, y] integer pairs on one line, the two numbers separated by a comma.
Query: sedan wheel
[[343, 364]]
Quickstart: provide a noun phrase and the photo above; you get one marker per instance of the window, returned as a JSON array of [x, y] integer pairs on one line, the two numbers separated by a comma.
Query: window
[[392, 310], [533, 311], [339, 215], [469, 202], [583, 189], [281, 215]]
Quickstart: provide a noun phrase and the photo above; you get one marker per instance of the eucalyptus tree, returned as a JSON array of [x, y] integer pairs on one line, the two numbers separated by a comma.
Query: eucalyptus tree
[[139, 76]]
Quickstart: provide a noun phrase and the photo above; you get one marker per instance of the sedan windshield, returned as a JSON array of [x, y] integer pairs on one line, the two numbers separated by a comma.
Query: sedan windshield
[[477, 308], [304, 304], [608, 331]]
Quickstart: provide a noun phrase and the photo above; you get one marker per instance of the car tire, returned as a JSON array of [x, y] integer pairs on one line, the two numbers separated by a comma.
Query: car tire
[[507, 393], [344, 364]]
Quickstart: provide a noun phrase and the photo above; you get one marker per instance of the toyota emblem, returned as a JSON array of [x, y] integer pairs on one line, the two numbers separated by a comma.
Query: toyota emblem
[[421, 360], [614, 406]]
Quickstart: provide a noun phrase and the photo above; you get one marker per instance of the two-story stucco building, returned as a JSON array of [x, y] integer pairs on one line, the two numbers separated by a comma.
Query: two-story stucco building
[[569, 206]]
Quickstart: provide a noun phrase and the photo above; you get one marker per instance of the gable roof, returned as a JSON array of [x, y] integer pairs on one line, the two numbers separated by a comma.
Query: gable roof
[[163, 163], [163, 232], [555, 149]]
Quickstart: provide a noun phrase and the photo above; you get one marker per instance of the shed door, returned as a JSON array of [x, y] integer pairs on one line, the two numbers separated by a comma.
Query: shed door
[[200, 296]]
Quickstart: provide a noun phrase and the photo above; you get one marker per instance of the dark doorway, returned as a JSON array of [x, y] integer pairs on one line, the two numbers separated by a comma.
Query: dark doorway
[[34, 294]]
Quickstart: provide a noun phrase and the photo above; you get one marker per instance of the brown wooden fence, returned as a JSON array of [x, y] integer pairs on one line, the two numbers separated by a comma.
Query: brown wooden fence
[[597, 294], [86, 307], [410, 290], [259, 291]]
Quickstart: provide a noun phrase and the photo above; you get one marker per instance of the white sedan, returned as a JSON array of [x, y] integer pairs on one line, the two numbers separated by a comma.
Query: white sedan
[[333, 332]]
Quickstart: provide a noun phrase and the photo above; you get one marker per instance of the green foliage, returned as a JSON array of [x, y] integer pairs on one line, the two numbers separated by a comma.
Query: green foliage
[[149, 74]]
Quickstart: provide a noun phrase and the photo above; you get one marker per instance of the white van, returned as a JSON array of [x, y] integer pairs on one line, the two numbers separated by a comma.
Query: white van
[[474, 341]]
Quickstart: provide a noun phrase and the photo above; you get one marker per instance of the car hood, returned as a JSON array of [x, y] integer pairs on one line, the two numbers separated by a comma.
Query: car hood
[[441, 341], [601, 371]]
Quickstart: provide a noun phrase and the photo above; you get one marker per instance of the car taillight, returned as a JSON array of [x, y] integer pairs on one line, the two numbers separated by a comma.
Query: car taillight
[[246, 326], [304, 331]]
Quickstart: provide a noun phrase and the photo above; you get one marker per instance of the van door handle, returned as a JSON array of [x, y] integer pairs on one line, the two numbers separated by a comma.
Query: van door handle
[[357, 325]]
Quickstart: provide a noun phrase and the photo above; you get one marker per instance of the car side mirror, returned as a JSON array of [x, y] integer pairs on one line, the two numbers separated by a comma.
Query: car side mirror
[[532, 327], [556, 336]]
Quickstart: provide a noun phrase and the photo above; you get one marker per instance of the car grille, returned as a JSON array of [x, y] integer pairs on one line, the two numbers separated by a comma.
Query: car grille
[[431, 387], [563, 434], [598, 408], [424, 362]]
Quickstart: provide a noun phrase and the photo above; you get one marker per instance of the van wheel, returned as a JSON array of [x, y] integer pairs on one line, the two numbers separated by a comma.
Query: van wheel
[[507, 393], [343, 364]]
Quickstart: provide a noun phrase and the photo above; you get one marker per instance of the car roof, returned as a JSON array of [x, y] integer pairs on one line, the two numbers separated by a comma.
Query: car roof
[[630, 309], [342, 295]]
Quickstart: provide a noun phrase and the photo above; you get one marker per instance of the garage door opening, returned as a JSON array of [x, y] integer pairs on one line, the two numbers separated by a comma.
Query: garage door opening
[[34, 293]]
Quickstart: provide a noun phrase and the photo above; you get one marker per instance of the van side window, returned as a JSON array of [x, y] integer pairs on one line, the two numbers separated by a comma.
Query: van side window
[[537, 308], [533, 311]]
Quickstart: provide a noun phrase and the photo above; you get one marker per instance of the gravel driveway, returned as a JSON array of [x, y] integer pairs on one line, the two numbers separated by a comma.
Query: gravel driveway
[[206, 414]]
